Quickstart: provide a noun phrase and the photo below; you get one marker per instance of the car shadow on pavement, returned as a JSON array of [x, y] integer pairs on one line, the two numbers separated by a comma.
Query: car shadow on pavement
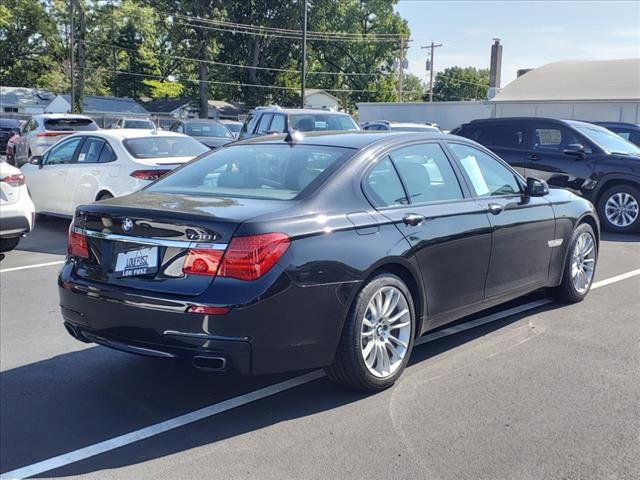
[[619, 237], [49, 236], [80, 398]]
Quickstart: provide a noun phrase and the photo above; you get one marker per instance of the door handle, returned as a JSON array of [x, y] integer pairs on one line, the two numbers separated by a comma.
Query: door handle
[[495, 208], [61, 172], [534, 157], [413, 219]]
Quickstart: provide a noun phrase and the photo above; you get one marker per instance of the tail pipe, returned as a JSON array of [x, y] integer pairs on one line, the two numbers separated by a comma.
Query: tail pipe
[[210, 363]]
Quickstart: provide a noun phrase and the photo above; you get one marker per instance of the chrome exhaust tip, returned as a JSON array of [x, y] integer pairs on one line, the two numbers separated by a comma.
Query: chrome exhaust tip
[[210, 363]]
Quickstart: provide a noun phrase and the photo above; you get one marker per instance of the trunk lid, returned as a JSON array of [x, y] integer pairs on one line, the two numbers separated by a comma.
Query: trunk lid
[[158, 230]]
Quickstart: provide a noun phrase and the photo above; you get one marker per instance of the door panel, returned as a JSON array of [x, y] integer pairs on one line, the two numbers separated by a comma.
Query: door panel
[[522, 226], [546, 160], [450, 235], [84, 176]]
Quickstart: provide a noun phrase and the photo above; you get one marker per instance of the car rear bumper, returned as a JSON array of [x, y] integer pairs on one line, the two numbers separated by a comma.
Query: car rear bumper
[[17, 218], [297, 328]]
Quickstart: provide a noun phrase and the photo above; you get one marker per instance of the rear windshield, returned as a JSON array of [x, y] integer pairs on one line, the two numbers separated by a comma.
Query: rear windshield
[[309, 122], [207, 130], [164, 147], [275, 172], [414, 129], [143, 124], [70, 124]]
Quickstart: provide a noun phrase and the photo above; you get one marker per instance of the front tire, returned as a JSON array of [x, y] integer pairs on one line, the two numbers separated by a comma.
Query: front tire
[[619, 209], [580, 266], [377, 338], [7, 244]]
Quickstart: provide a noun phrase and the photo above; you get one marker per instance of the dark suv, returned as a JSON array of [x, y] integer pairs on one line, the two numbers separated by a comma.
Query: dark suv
[[268, 120], [585, 158]]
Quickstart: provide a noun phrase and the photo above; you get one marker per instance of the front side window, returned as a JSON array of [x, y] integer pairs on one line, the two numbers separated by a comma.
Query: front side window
[[383, 186], [91, 150], [427, 173], [552, 138], [488, 176], [277, 124], [63, 152], [266, 171], [263, 128]]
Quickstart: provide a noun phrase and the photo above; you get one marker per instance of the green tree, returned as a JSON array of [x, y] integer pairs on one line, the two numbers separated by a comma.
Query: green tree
[[461, 83]]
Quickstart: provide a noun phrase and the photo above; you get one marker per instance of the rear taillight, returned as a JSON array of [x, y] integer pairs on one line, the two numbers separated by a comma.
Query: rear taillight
[[77, 244], [148, 174], [202, 262], [52, 134], [246, 258], [14, 180]]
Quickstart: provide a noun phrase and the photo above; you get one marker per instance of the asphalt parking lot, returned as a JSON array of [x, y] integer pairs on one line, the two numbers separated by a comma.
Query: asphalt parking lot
[[550, 391]]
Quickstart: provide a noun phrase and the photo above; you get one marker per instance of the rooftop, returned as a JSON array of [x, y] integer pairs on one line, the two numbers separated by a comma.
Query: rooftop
[[576, 80]]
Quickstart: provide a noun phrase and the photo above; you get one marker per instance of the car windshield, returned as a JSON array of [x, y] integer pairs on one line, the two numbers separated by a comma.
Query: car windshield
[[207, 130], [308, 122], [234, 127], [275, 172], [163, 147], [608, 140], [69, 124], [143, 124]]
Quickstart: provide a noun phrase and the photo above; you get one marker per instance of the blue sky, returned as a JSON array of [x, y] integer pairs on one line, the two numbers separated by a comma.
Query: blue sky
[[533, 33]]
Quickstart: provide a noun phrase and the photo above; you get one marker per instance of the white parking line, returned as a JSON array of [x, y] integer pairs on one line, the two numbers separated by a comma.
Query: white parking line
[[26, 267], [226, 405]]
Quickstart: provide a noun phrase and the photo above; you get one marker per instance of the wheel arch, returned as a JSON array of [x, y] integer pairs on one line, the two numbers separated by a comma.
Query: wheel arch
[[102, 192], [611, 180], [402, 269]]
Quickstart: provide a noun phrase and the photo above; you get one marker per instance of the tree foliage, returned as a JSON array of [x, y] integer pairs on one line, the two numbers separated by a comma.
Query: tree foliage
[[458, 83], [164, 48]]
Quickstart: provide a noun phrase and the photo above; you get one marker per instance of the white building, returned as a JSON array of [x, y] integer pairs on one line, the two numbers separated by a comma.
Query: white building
[[606, 90], [320, 100]]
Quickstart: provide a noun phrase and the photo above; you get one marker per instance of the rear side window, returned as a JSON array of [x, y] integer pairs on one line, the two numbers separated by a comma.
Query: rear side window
[[91, 150], [276, 172], [551, 138], [163, 147], [505, 135], [277, 124], [383, 186], [427, 173], [107, 154], [69, 124], [488, 176]]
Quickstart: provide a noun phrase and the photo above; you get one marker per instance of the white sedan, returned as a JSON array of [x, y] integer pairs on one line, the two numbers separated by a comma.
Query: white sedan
[[16, 209], [91, 166]]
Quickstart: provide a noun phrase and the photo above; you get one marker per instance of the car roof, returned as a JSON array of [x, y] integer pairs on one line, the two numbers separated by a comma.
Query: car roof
[[527, 119], [61, 115], [125, 133], [200, 120], [135, 118], [350, 139], [307, 111]]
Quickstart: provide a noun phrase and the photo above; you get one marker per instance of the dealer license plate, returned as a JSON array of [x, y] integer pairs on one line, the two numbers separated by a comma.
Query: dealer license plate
[[142, 261]]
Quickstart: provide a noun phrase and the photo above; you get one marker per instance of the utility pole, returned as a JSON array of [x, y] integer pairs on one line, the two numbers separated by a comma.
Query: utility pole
[[401, 70], [304, 55], [433, 46], [72, 60]]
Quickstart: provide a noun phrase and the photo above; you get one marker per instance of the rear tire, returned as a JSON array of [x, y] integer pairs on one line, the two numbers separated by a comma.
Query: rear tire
[[104, 196], [7, 244], [579, 266], [619, 209], [384, 339]]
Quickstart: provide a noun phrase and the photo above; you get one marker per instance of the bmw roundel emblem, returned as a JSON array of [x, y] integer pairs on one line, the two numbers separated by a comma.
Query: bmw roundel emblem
[[127, 225]]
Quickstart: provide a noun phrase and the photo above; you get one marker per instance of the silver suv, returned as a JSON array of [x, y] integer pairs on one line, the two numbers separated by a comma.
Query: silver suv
[[42, 131]]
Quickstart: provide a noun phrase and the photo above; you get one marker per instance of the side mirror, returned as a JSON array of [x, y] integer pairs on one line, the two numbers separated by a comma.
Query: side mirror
[[576, 149], [536, 187], [36, 160]]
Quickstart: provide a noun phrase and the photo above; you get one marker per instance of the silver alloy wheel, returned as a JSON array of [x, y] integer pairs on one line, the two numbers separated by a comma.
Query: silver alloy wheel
[[386, 332], [621, 209], [583, 262]]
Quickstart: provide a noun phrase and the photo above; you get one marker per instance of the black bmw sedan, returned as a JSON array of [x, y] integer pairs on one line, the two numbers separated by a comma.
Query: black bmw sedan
[[328, 250]]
